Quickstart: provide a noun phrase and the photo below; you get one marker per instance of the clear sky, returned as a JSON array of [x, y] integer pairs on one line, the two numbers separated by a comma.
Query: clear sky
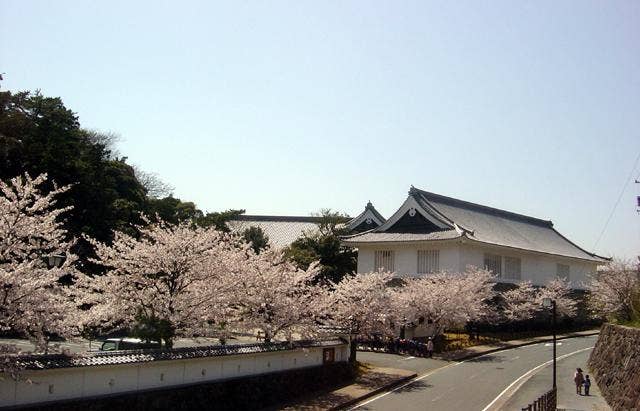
[[288, 107]]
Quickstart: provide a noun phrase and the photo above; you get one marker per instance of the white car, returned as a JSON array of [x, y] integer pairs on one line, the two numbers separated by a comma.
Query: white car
[[126, 343]]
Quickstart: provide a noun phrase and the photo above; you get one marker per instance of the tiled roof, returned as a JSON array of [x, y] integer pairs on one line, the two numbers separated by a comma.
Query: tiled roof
[[41, 362], [383, 237], [500, 227], [478, 223], [281, 230], [369, 218]]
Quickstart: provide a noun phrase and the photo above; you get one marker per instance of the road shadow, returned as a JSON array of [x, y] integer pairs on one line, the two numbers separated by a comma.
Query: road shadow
[[414, 386], [315, 402], [374, 380], [487, 359]]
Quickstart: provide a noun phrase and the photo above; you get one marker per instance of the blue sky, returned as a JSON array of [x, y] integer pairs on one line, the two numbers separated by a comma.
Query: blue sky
[[287, 107]]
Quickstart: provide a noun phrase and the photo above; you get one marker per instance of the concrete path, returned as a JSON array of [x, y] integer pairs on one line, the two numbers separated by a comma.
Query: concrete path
[[568, 400]]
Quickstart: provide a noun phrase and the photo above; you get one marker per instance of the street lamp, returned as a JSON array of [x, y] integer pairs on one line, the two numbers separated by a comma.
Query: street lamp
[[549, 303], [55, 260]]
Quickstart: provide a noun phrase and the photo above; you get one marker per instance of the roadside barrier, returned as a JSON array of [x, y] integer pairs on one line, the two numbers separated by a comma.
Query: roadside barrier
[[547, 402]]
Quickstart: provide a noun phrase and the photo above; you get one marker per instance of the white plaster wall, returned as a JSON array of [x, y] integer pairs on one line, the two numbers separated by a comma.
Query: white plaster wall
[[406, 257], [537, 268], [454, 257], [70, 383]]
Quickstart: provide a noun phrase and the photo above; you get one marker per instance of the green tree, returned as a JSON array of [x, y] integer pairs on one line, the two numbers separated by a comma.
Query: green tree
[[324, 245], [218, 220], [39, 134], [257, 238]]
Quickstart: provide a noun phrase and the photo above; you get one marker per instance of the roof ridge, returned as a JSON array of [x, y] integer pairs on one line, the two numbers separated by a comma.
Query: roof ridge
[[249, 217], [429, 196]]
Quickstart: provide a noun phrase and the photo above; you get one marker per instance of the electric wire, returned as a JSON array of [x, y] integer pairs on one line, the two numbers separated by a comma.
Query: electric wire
[[615, 206]]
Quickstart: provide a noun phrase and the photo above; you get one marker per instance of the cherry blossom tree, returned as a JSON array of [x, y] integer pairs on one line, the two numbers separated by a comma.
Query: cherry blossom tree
[[615, 291], [175, 280], [526, 301], [520, 303], [447, 300], [558, 290], [364, 303], [277, 298], [33, 301]]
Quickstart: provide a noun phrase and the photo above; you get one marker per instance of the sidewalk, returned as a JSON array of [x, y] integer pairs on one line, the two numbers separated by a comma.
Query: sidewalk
[[568, 400], [377, 380]]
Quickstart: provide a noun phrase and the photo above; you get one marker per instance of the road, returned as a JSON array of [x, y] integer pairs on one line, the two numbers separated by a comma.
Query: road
[[483, 383]]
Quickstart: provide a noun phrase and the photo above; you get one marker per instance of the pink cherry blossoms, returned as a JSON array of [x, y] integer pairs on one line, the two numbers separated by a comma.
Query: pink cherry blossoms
[[33, 302], [183, 275]]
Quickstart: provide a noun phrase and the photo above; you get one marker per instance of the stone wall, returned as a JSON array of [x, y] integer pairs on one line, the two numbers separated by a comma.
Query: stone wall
[[615, 364]]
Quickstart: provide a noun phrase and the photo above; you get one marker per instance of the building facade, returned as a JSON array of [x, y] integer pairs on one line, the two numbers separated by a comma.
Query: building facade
[[431, 233]]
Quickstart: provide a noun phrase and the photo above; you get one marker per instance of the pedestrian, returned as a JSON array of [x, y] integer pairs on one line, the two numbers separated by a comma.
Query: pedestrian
[[578, 378], [587, 385], [430, 347]]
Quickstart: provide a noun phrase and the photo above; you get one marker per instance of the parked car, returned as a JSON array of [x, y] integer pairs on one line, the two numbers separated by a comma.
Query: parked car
[[126, 343]]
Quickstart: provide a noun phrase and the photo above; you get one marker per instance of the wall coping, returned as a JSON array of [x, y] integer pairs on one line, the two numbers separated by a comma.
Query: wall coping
[[57, 361]]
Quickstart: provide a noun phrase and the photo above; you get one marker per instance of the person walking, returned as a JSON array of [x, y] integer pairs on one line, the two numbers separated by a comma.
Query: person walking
[[430, 347], [587, 385], [578, 378]]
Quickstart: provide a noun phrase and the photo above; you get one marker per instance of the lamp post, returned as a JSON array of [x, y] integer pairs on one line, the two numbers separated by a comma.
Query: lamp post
[[548, 302], [55, 260]]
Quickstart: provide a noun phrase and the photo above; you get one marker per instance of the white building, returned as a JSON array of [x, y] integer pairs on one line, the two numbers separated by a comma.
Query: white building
[[431, 232], [284, 230]]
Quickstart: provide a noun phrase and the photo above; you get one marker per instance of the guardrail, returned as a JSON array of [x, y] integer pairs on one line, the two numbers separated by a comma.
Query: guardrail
[[547, 402]]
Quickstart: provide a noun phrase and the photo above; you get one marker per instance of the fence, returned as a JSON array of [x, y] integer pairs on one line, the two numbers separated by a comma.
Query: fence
[[547, 402], [48, 378]]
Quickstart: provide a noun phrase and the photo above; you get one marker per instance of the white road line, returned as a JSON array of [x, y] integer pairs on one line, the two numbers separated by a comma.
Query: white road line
[[403, 385], [453, 365], [515, 358], [524, 377], [551, 344], [407, 358]]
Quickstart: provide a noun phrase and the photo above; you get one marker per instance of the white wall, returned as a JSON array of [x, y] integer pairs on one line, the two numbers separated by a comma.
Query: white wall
[[406, 257], [81, 382], [454, 257]]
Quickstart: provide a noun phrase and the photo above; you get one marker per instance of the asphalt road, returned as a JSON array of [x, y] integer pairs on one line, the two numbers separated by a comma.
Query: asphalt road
[[483, 383]]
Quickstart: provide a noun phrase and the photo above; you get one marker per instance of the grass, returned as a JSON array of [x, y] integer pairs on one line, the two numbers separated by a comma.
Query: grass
[[633, 323], [458, 341]]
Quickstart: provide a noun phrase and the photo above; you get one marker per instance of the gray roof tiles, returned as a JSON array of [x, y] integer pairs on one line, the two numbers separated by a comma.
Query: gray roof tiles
[[483, 224], [494, 226], [41, 362], [281, 230]]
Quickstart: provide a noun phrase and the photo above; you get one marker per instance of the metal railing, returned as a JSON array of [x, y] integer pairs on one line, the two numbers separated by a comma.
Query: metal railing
[[547, 402]]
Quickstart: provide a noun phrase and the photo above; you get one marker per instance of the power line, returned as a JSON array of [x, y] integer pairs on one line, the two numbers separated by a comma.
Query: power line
[[615, 206]]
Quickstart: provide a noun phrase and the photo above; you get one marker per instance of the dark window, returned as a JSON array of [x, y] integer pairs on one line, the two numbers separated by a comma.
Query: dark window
[[328, 355]]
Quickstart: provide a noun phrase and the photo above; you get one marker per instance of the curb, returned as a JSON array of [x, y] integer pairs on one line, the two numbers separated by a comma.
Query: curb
[[473, 355], [376, 391], [545, 339]]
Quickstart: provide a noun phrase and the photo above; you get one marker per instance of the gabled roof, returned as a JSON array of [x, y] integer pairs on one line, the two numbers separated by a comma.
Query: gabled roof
[[370, 218], [452, 218], [281, 230]]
